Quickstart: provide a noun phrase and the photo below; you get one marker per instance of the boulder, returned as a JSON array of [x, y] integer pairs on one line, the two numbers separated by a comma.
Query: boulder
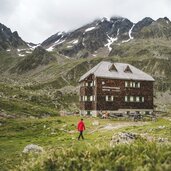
[[95, 123], [33, 148], [162, 140], [123, 138], [161, 127]]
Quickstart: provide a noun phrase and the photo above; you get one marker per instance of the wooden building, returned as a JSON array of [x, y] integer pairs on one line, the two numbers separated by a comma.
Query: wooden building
[[115, 88]]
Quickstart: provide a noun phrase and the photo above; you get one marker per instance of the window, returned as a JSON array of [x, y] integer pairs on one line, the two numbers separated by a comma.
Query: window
[[126, 83], [91, 84], [113, 68], [132, 84], [103, 83], [91, 98], [85, 98], [109, 98], [128, 69], [134, 99], [137, 99], [131, 98], [126, 98], [138, 84]]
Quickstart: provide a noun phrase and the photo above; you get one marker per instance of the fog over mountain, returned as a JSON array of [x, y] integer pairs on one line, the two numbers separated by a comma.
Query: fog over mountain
[[36, 20]]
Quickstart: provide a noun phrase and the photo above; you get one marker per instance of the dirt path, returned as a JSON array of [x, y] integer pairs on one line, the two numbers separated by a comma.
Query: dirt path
[[122, 124], [118, 125]]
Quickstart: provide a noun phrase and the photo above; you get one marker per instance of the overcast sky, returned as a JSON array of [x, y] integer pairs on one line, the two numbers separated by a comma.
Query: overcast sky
[[36, 20]]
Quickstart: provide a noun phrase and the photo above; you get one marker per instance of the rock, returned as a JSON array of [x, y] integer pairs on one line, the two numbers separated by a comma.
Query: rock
[[53, 133], [147, 137], [4, 115], [123, 138], [0, 124], [33, 148], [9, 39], [162, 140], [161, 127], [95, 123], [71, 132]]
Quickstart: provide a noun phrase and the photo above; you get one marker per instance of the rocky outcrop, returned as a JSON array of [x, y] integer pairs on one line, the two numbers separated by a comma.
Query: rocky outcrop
[[140, 25], [89, 38], [32, 148], [105, 33], [160, 28], [123, 138], [39, 57], [9, 39]]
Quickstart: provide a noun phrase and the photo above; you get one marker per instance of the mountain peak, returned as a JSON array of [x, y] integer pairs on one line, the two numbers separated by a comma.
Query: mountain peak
[[164, 20], [9, 39], [39, 50], [39, 57], [101, 34], [167, 19]]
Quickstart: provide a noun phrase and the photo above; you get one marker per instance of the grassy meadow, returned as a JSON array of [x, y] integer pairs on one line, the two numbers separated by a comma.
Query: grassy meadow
[[62, 150]]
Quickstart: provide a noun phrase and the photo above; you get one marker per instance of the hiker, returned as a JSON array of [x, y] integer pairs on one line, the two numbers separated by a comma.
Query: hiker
[[81, 128]]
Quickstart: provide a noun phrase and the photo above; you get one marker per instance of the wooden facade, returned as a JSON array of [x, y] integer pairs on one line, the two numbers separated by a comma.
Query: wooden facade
[[114, 95]]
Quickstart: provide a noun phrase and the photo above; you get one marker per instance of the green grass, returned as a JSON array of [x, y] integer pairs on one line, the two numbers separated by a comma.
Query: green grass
[[58, 137], [19, 101]]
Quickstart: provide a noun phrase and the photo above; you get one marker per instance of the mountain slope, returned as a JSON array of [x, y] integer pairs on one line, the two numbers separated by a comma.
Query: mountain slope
[[50, 79], [10, 39], [39, 57], [97, 38]]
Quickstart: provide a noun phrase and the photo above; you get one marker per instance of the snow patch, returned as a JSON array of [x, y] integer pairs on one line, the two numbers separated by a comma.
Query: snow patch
[[21, 54], [83, 42], [60, 33], [75, 42], [50, 49], [8, 50], [130, 35], [69, 46], [89, 29], [59, 41], [130, 32], [105, 19], [28, 52], [18, 50], [67, 57], [125, 41], [111, 40], [33, 47]]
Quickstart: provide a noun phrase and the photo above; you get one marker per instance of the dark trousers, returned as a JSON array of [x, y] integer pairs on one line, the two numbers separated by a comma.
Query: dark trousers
[[80, 135]]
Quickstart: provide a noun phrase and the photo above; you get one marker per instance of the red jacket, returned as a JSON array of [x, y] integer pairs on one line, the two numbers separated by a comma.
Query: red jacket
[[81, 126]]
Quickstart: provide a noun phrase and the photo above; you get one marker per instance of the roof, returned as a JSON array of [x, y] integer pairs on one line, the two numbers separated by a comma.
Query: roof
[[117, 71]]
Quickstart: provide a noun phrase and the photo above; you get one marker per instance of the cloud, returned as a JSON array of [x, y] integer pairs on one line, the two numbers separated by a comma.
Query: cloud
[[7, 7], [36, 20]]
